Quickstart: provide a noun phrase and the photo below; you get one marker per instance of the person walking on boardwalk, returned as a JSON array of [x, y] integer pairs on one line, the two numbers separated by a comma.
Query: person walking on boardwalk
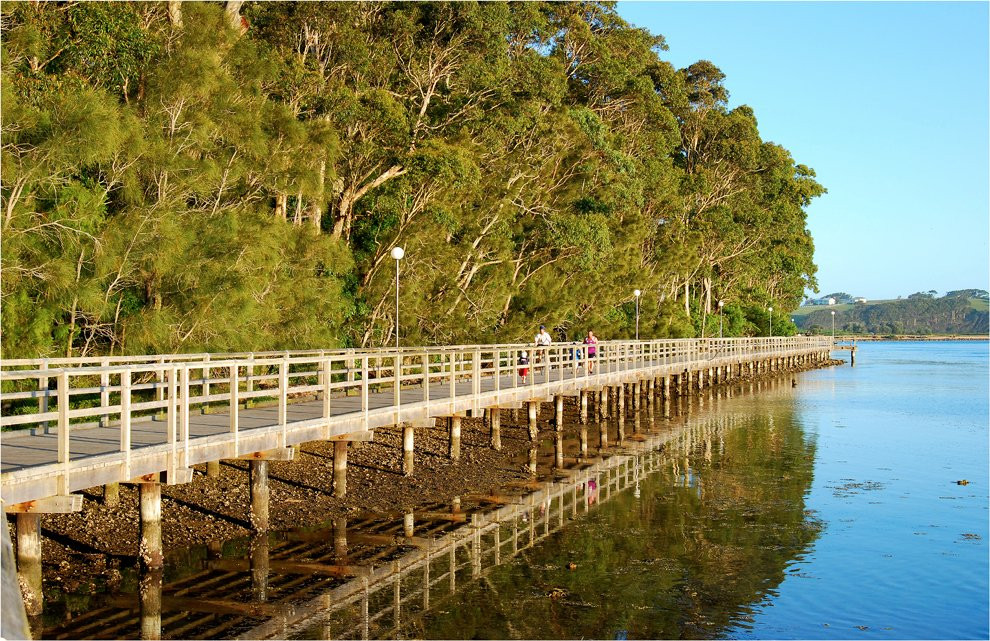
[[592, 342], [542, 339], [523, 363]]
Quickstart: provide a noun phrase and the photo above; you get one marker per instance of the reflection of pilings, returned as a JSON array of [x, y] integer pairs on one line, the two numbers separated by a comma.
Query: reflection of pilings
[[489, 539], [258, 558], [340, 538], [150, 596], [533, 452]]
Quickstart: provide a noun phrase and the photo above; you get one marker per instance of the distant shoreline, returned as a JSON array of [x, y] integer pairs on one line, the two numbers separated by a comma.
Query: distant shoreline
[[912, 337]]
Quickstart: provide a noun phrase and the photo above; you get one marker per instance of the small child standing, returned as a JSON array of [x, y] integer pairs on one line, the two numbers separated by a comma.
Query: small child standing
[[523, 365]]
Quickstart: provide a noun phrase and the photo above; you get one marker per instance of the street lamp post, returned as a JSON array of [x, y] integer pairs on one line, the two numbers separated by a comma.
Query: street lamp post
[[397, 254], [770, 311], [720, 304], [636, 294]]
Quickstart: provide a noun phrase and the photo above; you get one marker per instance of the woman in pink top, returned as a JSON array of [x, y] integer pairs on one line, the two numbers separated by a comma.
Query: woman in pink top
[[592, 342]]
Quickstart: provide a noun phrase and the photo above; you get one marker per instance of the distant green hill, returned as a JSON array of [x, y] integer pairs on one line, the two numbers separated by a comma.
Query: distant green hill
[[958, 312]]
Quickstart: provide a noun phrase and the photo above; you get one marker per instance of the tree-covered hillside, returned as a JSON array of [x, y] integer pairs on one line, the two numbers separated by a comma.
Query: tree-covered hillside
[[183, 176], [958, 312]]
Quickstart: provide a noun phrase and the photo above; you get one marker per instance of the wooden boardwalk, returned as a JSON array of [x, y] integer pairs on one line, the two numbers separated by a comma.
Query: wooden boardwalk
[[56, 452]]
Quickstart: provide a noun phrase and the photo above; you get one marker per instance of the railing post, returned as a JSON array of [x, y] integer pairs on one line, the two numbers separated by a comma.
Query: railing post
[[497, 356], [364, 391], [125, 420], [184, 413], [63, 431], [170, 420], [397, 373], [426, 381], [453, 377], [160, 387], [233, 407], [327, 367], [206, 383], [104, 391], [283, 391], [249, 373], [43, 382], [476, 374]]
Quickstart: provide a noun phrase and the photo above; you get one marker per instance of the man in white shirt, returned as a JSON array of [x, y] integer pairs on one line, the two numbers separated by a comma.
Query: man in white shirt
[[541, 340]]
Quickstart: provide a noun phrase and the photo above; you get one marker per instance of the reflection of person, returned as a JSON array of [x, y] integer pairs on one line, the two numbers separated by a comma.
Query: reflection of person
[[592, 342], [592, 491], [523, 363]]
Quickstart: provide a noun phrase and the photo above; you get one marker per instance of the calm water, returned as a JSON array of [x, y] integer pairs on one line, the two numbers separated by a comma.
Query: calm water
[[827, 510]]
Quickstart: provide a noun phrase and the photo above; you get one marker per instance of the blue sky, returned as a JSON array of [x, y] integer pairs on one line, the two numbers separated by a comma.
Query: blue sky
[[887, 101]]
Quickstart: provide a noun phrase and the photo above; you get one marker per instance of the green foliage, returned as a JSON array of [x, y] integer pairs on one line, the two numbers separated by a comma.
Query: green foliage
[[185, 187]]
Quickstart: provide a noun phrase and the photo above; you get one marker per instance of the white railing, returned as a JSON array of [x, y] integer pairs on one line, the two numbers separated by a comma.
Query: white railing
[[410, 383], [197, 380]]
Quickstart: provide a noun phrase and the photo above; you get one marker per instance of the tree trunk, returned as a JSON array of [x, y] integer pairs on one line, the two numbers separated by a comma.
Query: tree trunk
[[315, 206], [297, 219], [282, 205], [175, 13], [233, 11]]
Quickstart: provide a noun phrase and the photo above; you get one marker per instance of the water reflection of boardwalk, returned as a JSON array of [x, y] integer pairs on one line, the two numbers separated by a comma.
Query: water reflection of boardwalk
[[371, 577]]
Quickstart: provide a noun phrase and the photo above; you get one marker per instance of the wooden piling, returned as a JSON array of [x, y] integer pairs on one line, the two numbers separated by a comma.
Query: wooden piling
[[620, 404], [111, 494], [150, 499], [340, 469], [584, 407], [534, 431], [213, 469], [558, 415], [495, 427], [258, 473], [408, 449], [454, 423], [28, 526]]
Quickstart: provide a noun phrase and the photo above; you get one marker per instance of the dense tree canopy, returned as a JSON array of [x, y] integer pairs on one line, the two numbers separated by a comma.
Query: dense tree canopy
[[231, 176]]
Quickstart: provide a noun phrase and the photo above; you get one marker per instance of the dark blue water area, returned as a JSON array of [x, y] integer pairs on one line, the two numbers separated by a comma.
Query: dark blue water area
[[904, 551]]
